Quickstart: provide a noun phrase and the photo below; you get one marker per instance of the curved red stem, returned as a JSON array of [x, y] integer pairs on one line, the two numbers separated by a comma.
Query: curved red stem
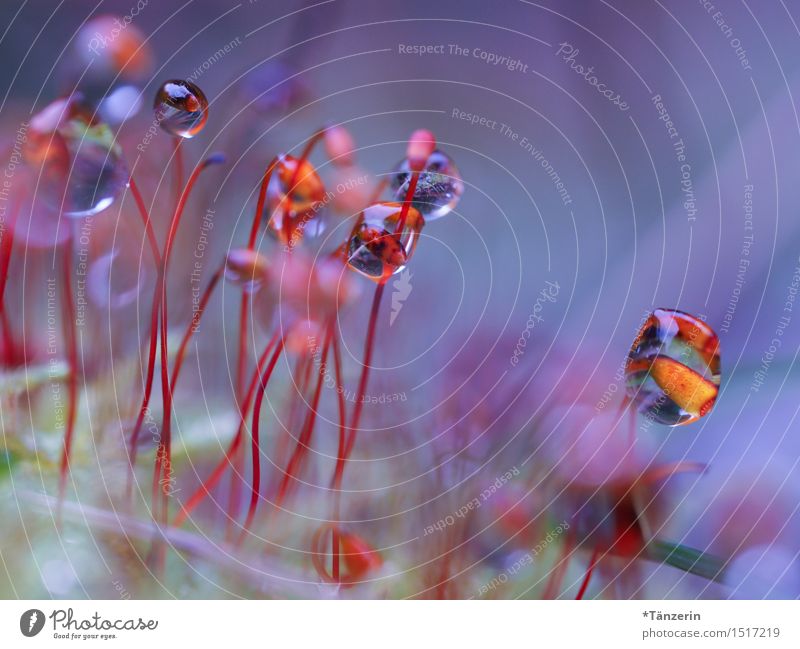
[[151, 360], [304, 439], [256, 454], [146, 220], [164, 451], [148, 386], [362, 383], [241, 357], [192, 328], [216, 475]]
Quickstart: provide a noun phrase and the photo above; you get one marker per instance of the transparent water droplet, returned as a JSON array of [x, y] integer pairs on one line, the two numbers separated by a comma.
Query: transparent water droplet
[[181, 108], [439, 187], [82, 170], [673, 369], [375, 249]]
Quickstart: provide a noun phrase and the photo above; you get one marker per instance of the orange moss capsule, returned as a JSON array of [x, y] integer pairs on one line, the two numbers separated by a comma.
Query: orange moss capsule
[[296, 200], [673, 369], [358, 558]]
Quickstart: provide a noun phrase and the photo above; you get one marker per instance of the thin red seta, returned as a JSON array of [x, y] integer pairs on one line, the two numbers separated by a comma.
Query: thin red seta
[[194, 324], [151, 360], [587, 578], [164, 451], [412, 187], [148, 386], [256, 450], [178, 155], [418, 154], [304, 439], [70, 337], [337, 494], [10, 355], [421, 145], [301, 377], [146, 220], [241, 366], [204, 490], [241, 357]]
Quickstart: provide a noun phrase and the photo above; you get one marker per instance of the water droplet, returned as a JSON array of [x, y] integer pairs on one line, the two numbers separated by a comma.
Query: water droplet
[[439, 187], [673, 369], [246, 269], [181, 108], [374, 249], [97, 172], [82, 167]]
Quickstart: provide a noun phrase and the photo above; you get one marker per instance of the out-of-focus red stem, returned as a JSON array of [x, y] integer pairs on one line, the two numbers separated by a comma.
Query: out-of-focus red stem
[[146, 220], [148, 386], [587, 578], [556, 577], [70, 337], [193, 324], [5, 250]]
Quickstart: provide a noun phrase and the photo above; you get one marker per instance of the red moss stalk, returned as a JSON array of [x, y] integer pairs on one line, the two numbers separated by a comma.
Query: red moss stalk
[[304, 439], [204, 490], [70, 337], [587, 578]]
